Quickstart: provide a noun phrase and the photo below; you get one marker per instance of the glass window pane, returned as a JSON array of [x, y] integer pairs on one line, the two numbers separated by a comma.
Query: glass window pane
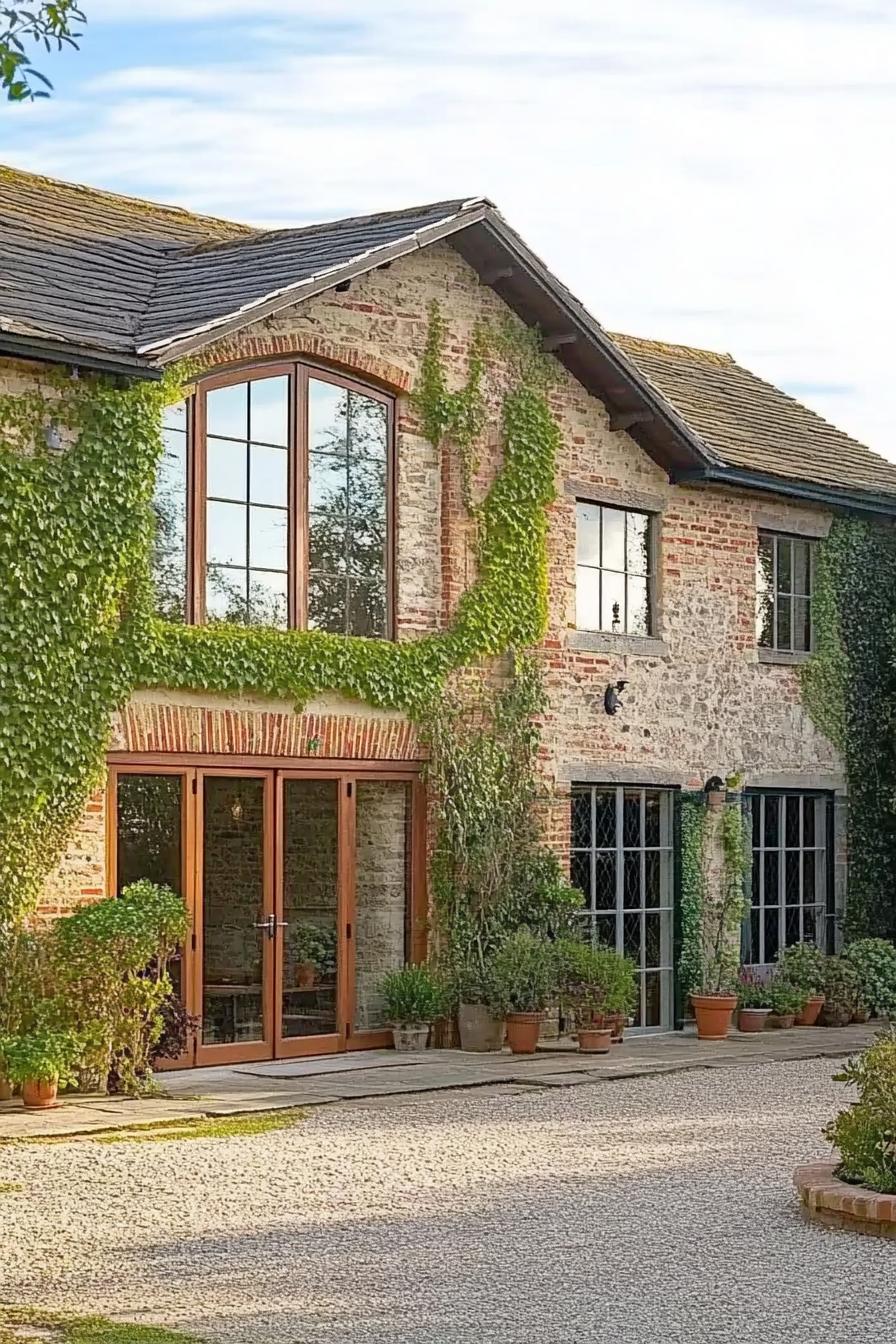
[[226, 533], [612, 606], [652, 940], [785, 565], [268, 603], [638, 618], [604, 818], [587, 534], [653, 999], [225, 469], [792, 822], [809, 805], [169, 556], [149, 830], [580, 875], [653, 803], [327, 602], [605, 931], [327, 483], [327, 543], [580, 819], [802, 634], [784, 632], [772, 924], [631, 880], [636, 543], [587, 598], [772, 813], [268, 474], [267, 538], [268, 410], [367, 489], [764, 592], [613, 540], [227, 411], [652, 878], [225, 595], [604, 880], [327, 416], [631, 817], [368, 426], [175, 417], [801, 568], [367, 551], [631, 937], [367, 608]]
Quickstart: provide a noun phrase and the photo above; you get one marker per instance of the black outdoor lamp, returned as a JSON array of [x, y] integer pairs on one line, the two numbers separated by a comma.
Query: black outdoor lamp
[[612, 703]]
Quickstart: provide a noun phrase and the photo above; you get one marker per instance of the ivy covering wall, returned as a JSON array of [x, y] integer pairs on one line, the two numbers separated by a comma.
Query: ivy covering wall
[[78, 631], [849, 688]]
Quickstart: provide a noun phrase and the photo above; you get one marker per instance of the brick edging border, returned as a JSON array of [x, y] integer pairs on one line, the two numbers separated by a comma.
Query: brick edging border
[[826, 1199]]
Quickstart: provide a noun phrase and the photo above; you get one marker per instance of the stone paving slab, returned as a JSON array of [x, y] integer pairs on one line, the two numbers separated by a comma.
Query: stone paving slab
[[378, 1075]]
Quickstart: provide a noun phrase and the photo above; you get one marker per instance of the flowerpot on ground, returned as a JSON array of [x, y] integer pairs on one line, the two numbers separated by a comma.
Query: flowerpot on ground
[[752, 1019], [860, 1015], [595, 1040], [780, 1021], [713, 1013], [5, 1089], [410, 1036], [616, 1023], [835, 1015], [523, 1031], [478, 1028], [39, 1094], [810, 1014]]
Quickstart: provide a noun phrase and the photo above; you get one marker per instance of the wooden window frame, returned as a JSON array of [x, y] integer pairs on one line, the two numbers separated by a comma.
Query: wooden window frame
[[299, 372], [601, 569]]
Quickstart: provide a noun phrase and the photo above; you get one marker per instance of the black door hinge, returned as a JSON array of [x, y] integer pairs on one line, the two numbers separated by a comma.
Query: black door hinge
[[348, 932]]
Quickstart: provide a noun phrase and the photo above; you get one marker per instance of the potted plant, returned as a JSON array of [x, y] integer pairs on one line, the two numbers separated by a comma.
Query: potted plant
[[413, 999], [713, 998], [841, 993], [753, 1002], [524, 982], [590, 980], [874, 960], [38, 1062], [786, 1002], [314, 954], [714, 788], [805, 966]]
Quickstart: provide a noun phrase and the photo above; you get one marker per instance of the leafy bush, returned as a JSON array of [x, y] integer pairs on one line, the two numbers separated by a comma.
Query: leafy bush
[[110, 962], [786, 999], [751, 991], [45, 1055], [874, 960], [865, 1133], [413, 994], [25, 979], [841, 991], [524, 974], [595, 981], [803, 965]]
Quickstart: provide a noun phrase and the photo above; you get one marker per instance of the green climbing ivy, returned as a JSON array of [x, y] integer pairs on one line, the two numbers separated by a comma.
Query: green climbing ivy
[[693, 893], [849, 688], [78, 631]]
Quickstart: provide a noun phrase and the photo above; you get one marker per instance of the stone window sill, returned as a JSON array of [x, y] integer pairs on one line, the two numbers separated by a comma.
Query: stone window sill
[[783, 657], [598, 641]]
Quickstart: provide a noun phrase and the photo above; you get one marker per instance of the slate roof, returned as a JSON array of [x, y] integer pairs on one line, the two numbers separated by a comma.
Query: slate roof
[[87, 273], [750, 423]]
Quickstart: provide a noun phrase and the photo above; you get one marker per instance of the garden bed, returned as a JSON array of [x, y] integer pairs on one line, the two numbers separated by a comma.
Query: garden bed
[[826, 1199]]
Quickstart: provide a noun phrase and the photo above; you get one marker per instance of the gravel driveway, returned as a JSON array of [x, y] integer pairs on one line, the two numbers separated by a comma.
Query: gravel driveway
[[656, 1209]]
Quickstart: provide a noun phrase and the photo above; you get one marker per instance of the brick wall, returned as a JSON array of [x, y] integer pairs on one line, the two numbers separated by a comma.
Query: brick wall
[[699, 701]]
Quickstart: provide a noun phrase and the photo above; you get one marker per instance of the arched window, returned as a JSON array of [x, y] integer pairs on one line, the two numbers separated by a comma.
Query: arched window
[[273, 502]]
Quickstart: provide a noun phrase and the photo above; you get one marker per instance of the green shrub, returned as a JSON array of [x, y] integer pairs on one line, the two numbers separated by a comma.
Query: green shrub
[[751, 992], [803, 965], [44, 1055], [594, 981], [786, 999], [413, 994], [110, 961], [524, 974], [841, 990], [874, 960], [865, 1133]]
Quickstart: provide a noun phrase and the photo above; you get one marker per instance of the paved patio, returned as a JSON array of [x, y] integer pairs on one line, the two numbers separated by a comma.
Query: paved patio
[[385, 1075]]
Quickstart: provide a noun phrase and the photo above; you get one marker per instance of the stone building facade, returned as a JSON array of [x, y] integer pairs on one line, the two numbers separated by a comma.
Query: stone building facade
[[701, 699]]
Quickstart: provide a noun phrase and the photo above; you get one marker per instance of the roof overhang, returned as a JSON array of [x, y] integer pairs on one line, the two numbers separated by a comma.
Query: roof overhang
[[49, 351], [831, 496]]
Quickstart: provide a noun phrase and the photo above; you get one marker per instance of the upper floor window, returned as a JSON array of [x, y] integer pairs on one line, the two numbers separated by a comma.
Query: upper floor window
[[784, 580], [613, 570], [273, 503]]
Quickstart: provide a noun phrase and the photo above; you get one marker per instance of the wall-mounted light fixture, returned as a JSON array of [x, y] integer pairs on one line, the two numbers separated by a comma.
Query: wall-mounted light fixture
[[53, 437], [612, 703]]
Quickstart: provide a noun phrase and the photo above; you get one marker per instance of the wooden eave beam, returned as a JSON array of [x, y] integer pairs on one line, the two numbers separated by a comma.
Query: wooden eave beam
[[621, 420], [557, 340], [497, 273]]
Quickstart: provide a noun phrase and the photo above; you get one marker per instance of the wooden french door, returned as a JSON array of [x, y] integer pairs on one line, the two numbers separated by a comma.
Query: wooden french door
[[304, 886]]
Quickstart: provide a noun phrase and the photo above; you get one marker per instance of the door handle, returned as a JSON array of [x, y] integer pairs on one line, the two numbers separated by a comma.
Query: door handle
[[271, 924]]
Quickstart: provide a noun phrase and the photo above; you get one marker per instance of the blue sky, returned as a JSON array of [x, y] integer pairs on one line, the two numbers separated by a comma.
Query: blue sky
[[716, 172]]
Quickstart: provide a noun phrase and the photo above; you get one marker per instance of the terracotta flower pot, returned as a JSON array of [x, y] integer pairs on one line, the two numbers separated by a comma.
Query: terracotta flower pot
[[713, 1013], [860, 1015], [616, 1023], [478, 1029], [752, 1019], [835, 1015], [5, 1089], [522, 1032], [39, 1094], [306, 975], [809, 1016], [595, 1040], [780, 1021]]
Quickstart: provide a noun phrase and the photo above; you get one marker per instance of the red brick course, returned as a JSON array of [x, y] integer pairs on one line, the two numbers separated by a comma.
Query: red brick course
[[825, 1199]]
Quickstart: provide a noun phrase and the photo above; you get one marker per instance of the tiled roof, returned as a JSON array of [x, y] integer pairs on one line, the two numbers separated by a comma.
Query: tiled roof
[[749, 423]]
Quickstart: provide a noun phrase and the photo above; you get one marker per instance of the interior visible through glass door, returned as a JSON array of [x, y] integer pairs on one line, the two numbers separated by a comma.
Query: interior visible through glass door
[[149, 840], [310, 908], [235, 926]]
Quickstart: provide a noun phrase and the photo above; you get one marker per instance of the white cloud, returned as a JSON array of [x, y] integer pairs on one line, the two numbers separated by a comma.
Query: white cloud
[[713, 171]]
